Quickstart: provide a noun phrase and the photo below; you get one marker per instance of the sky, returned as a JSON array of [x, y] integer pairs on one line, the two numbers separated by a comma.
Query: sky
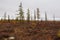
[[11, 7]]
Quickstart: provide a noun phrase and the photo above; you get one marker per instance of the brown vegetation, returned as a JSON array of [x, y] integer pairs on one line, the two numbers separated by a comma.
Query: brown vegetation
[[34, 30]]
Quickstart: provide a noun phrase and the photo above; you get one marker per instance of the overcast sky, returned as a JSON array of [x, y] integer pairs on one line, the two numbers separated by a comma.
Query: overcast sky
[[11, 7]]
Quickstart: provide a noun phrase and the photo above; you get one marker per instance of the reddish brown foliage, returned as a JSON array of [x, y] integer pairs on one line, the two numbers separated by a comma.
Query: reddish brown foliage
[[33, 30]]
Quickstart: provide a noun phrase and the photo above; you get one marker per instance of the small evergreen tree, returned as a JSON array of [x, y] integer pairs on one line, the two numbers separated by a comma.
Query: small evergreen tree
[[45, 16], [34, 15], [21, 13], [38, 15], [8, 18], [28, 14], [16, 18], [5, 16]]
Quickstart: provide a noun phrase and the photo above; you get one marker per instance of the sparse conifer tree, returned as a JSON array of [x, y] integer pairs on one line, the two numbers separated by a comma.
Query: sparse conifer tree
[[8, 18], [16, 18], [5, 16], [21, 13], [38, 15], [34, 15], [45, 16], [28, 14]]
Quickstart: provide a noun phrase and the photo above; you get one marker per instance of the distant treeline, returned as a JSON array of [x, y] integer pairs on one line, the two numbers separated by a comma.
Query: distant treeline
[[29, 17]]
